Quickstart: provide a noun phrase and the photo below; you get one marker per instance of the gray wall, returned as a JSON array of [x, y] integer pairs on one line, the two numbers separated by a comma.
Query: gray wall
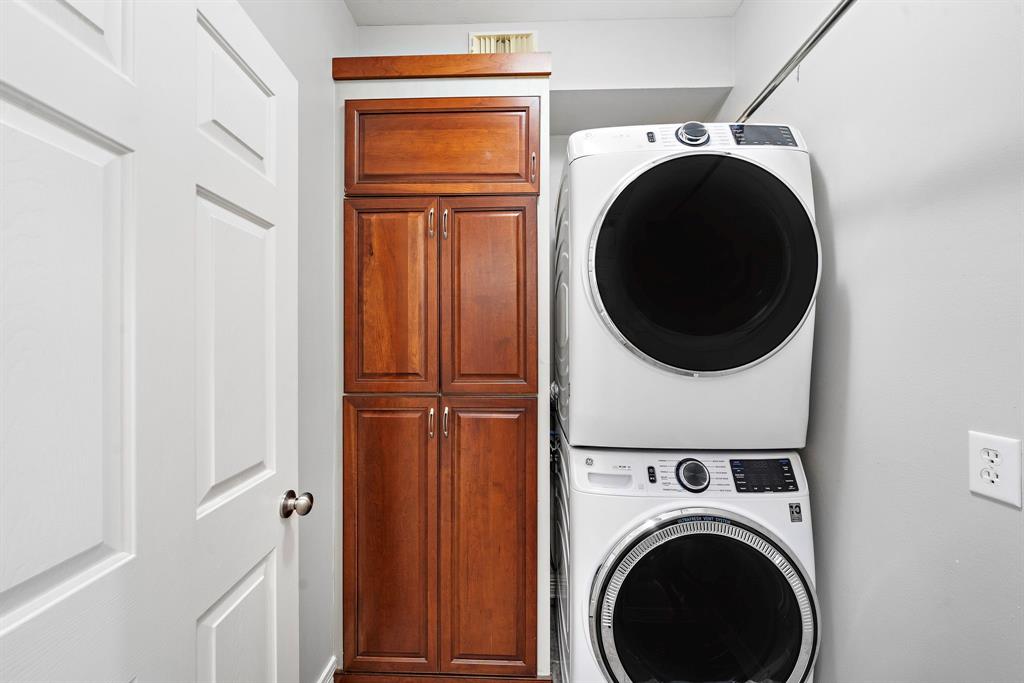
[[631, 53], [913, 113], [307, 34]]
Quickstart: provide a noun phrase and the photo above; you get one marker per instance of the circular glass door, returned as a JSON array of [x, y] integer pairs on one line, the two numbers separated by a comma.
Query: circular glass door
[[702, 598], [705, 263]]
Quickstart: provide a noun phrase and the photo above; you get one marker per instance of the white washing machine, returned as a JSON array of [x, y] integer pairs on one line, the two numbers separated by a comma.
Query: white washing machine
[[686, 268], [683, 566]]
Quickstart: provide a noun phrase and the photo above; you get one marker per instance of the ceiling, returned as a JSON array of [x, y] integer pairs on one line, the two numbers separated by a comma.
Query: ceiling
[[400, 12]]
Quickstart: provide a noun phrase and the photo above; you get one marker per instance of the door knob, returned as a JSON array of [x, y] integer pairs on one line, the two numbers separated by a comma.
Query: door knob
[[300, 505]]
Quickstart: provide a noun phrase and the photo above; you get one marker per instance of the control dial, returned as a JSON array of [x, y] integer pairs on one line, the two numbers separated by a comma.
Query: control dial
[[693, 475], [693, 133]]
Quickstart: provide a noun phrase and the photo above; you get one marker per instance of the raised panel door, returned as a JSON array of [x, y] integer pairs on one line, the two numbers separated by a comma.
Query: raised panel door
[[390, 533], [489, 295], [391, 295], [148, 365], [449, 145], [488, 528]]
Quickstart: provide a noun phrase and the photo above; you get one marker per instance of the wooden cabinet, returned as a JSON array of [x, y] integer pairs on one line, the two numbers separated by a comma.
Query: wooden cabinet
[[489, 295], [390, 499], [475, 543], [450, 145], [391, 266], [440, 367], [487, 308], [488, 568]]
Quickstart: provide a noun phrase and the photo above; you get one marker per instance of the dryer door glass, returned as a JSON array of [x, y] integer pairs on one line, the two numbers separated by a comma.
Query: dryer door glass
[[696, 607], [705, 263]]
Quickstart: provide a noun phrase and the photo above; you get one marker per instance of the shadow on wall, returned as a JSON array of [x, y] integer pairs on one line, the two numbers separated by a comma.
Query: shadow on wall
[[830, 386]]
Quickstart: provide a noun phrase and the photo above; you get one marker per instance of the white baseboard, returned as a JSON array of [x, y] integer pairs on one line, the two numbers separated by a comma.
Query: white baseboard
[[327, 676]]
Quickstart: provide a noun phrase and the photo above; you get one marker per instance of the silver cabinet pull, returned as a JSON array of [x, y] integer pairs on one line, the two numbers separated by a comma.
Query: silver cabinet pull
[[533, 167], [300, 505], [444, 422], [430, 424], [444, 224], [430, 223]]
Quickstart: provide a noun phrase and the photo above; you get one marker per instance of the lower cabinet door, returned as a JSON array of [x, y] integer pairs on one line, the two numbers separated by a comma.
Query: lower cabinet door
[[390, 534], [488, 529]]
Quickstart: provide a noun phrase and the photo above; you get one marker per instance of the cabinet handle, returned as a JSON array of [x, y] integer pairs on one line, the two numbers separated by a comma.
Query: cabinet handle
[[533, 167], [430, 424], [430, 223], [444, 422], [444, 224]]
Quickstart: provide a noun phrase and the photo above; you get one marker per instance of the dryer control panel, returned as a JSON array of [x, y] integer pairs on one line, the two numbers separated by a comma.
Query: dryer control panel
[[675, 137]]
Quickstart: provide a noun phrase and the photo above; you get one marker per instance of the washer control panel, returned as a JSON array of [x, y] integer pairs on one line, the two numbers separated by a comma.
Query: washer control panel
[[690, 474], [768, 475]]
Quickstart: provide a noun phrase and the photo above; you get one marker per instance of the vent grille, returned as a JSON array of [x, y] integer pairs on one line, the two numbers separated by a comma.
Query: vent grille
[[522, 41]]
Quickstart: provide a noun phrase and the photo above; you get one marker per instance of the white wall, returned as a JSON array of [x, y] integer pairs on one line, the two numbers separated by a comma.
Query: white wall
[[307, 34], [636, 53], [913, 113]]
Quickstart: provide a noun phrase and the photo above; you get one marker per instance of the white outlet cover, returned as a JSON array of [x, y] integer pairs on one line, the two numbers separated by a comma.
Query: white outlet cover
[[995, 467]]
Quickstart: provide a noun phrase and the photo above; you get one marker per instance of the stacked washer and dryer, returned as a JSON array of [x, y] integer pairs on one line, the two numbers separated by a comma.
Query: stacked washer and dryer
[[686, 268]]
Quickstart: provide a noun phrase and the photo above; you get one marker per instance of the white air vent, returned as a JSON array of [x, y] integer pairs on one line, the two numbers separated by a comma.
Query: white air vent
[[524, 41]]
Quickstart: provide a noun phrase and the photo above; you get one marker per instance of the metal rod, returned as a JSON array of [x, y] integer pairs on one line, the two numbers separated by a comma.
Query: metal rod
[[797, 57]]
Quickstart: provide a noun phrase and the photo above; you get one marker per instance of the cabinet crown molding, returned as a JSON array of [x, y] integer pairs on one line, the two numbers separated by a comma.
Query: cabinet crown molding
[[521, 64]]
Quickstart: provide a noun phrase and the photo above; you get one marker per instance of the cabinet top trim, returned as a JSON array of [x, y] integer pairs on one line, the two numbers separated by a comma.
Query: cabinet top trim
[[442, 66]]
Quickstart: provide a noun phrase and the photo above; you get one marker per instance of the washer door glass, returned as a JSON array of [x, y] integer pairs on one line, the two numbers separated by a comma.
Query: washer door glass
[[698, 607], [706, 263]]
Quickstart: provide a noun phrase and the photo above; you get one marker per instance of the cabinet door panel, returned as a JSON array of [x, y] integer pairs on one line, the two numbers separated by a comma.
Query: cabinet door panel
[[489, 537], [448, 145], [390, 534], [489, 295], [391, 295]]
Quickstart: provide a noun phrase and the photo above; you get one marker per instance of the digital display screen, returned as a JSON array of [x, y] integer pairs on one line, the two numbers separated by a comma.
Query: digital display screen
[[745, 134], [764, 476]]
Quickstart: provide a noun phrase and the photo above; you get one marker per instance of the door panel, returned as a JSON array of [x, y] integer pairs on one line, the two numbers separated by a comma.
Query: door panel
[[148, 353], [488, 536], [391, 295], [452, 145], [390, 533], [244, 595], [489, 295]]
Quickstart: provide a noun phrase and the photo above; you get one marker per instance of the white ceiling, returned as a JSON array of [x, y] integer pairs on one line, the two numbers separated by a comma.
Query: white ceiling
[[398, 12]]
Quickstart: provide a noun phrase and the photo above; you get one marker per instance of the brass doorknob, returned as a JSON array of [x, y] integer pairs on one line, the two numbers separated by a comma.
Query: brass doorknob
[[300, 505]]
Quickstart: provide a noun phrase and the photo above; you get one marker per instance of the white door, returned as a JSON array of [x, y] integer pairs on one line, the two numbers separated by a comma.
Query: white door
[[147, 344]]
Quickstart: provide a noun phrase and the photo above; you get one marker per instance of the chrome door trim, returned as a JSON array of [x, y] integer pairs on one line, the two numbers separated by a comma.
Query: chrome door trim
[[595, 294], [632, 547]]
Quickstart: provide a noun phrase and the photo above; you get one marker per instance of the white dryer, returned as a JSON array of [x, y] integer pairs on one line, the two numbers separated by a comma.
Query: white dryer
[[686, 268], [683, 566]]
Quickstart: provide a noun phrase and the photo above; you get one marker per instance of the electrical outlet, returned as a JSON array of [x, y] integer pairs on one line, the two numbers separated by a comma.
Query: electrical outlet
[[995, 467]]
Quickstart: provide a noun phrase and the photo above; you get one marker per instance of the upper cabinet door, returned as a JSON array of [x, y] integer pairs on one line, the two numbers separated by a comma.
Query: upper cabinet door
[[451, 145], [391, 295], [489, 295]]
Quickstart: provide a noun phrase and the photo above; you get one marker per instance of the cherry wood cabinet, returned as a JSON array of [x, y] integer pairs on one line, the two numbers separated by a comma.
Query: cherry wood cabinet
[[488, 569], [391, 319], [440, 375], [390, 499], [489, 295], [485, 306], [440, 528], [448, 145]]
